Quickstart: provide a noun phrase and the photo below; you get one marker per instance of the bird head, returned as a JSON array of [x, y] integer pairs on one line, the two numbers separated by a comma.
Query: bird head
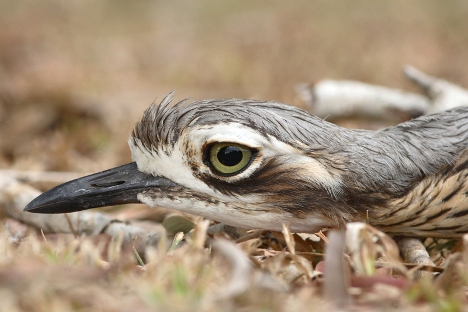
[[249, 164]]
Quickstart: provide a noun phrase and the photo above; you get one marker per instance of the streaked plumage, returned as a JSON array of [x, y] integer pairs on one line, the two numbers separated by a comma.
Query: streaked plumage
[[411, 178]]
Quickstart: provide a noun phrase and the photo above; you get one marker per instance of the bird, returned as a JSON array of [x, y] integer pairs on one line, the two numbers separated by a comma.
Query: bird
[[261, 164]]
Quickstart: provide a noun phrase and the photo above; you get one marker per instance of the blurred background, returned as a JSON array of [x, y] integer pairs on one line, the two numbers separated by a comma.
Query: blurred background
[[76, 75]]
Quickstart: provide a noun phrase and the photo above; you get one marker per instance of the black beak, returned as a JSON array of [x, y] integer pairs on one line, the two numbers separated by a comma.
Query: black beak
[[116, 186]]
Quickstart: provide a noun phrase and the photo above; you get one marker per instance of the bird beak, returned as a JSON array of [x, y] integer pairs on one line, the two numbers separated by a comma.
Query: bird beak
[[115, 186]]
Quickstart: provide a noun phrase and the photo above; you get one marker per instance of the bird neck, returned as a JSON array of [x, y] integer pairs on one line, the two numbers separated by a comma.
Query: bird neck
[[395, 158]]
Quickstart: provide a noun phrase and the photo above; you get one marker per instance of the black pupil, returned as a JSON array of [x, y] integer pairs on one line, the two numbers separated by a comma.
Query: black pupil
[[230, 155]]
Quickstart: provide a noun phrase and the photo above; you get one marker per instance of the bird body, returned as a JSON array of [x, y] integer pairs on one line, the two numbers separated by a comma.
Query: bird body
[[437, 206], [257, 164]]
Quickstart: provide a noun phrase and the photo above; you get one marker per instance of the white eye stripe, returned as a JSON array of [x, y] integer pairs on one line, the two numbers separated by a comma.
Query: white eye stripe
[[178, 162], [173, 166]]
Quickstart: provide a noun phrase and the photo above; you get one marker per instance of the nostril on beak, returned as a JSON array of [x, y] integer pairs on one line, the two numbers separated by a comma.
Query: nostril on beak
[[107, 184]]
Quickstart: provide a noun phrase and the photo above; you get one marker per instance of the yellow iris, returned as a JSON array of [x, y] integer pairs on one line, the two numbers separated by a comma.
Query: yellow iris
[[229, 158]]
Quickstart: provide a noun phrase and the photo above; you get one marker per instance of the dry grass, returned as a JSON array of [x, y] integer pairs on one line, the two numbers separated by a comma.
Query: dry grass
[[76, 75], [272, 272]]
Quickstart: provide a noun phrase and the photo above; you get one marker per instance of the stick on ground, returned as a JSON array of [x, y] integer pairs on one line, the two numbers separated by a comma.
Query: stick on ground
[[14, 196]]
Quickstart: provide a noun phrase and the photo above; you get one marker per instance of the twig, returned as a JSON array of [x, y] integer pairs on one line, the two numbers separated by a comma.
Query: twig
[[413, 251], [43, 236], [444, 94], [342, 98], [421, 267], [72, 229], [14, 196], [42, 177], [137, 254], [365, 244], [241, 269], [176, 241], [304, 267], [336, 278], [251, 235], [322, 236]]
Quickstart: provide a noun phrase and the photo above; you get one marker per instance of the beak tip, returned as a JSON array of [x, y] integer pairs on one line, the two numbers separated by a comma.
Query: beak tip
[[48, 203], [35, 206], [32, 205]]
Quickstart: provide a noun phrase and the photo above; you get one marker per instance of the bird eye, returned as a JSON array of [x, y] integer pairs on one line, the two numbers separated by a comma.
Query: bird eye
[[229, 158]]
